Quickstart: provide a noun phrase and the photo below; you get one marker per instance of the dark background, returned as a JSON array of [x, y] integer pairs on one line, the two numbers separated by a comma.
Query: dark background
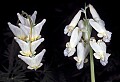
[[58, 14]]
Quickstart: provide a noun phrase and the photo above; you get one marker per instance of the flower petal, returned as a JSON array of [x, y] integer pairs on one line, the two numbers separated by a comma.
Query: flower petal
[[94, 45], [97, 26], [21, 18], [94, 12], [102, 45], [27, 60], [16, 31], [35, 44], [75, 19], [33, 17], [69, 28], [75, 37], [25, 47], [39, 56], [37, 29], [107, 38], [26, 29], [106, 59]]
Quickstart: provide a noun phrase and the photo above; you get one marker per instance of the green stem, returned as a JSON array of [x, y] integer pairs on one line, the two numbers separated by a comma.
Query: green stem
[[92, 66]]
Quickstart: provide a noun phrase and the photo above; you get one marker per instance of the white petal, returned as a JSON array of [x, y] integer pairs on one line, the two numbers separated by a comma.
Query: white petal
[[27, 60], [94, 45], [33, 17], [106, 59], [75, 37], [107, 38], [39, 56], [68, 30], [69, 52], [81, 24], [16, 30], [37, 29], [36, 43], [76, 58], [75, 19], [81, 51], [97, 26], [102, 45], [94, 12], [26, 29], [80, 65], [97, 55], [23, 45], [21, 18]]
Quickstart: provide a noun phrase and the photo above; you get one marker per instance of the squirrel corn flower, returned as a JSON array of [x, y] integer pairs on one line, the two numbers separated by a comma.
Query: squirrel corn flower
[[100, 51], [84, 41], [82, 52], [69, 28], [102, 32], [70, 46]]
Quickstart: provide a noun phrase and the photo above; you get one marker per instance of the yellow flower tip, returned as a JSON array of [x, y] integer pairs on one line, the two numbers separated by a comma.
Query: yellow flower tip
[[28, 54]]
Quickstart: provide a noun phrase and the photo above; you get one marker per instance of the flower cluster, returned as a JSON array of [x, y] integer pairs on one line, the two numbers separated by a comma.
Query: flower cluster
[[79, 30], [27, 35]]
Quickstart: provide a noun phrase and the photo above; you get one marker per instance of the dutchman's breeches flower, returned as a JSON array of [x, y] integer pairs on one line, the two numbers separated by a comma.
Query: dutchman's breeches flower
[[27, 21], [69, 28], [100, 51], [35, 30], [27, 48], [28, 37], [75, 38], [18, 32], [33, 62]]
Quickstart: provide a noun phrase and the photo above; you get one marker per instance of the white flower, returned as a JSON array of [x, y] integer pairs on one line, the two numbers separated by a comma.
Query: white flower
[[82, 52], [95, 15], [84, 29], [100, 51], [27, 48], [18, 32], [75, 38], [33, 62], [26, 21], [69, 28], [102, 32], [35, 30]]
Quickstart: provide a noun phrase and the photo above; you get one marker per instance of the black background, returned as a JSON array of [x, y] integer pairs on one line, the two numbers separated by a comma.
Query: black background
[[58, 14]]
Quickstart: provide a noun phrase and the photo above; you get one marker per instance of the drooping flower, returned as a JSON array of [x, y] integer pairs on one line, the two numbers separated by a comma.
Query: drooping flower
[[102, 32], [82, 52], [69, 28], [35, 34], [100, 51], [75, 38], [33, 62], [95, 15], [18, 32], [27, 48], [26, 21]]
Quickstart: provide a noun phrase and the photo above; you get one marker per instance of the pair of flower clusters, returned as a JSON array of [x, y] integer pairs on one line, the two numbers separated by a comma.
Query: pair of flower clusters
[[27, 35], [79, 30]]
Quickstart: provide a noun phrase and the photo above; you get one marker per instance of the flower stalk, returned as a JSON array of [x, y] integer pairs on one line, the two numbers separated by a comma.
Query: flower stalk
[[92, 72]]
